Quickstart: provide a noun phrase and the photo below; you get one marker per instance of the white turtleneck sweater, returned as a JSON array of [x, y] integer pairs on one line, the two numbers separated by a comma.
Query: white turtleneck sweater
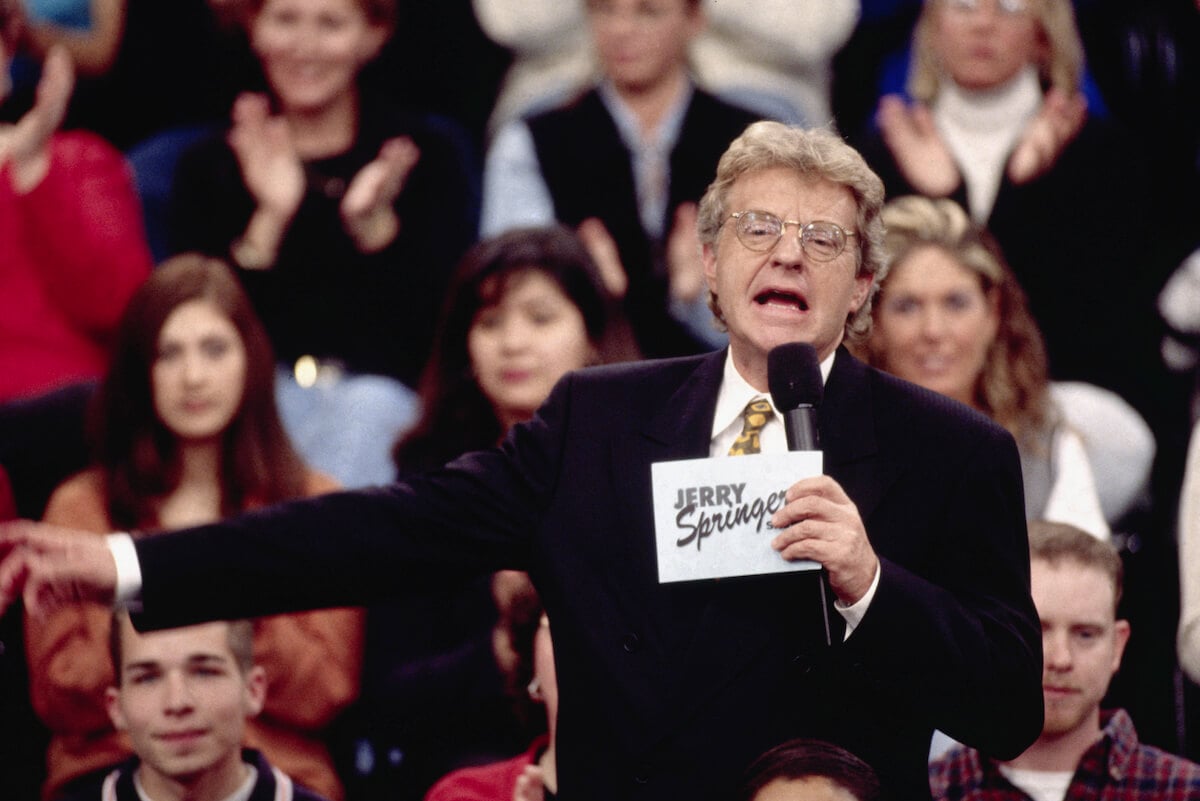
[[981, 128]]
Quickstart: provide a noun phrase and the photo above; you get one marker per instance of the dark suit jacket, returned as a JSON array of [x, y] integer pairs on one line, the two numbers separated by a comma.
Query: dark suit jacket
[[668, 691]]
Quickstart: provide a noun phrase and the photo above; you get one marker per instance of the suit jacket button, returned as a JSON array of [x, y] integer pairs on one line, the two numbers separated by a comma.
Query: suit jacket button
[[802, 663], [630, 643]]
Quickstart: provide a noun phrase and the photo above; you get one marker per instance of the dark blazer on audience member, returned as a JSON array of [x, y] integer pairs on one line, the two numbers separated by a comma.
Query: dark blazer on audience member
[[668, 691], [588, 170]]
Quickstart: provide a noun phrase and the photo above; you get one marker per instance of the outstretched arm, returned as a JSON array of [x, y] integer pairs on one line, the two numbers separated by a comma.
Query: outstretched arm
[[48, 567]]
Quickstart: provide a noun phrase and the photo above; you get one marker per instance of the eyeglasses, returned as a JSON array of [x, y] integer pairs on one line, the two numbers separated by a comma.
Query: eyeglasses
[[1008, 8], [761, 231]]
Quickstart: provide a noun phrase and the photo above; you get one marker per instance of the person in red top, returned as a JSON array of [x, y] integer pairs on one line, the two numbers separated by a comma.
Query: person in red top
[[72, 243], [523, 648]]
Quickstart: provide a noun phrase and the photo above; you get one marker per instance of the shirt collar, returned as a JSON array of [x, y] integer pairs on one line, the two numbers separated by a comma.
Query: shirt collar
[[736, 392], [663, 138], [1007, 107]]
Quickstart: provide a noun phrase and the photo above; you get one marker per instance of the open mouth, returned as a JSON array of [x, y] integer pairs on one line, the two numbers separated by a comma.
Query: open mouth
[[775, 297]]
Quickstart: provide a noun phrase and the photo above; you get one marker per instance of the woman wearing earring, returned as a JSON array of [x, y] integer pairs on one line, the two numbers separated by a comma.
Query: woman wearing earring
[[185, 431]]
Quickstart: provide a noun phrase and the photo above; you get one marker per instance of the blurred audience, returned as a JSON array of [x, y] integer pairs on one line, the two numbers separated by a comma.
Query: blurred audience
[[186, 431], [625, 163], [998, 122], [774, 56], [525, 308], [951, 317], [344, 216], [770, 57], [1083, 751], [89, 30], [552, 54], [72, 247], [1189, 561]]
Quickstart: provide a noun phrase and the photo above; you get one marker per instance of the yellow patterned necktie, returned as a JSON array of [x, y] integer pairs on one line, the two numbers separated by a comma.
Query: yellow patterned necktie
[[754, 417]]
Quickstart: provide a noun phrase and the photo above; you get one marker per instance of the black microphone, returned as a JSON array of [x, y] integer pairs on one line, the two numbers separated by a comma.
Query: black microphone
[[794, 378]]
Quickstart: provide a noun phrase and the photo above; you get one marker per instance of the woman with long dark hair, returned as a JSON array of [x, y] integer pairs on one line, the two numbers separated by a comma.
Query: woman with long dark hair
[[523, 309], [467, 403], [186, 432]]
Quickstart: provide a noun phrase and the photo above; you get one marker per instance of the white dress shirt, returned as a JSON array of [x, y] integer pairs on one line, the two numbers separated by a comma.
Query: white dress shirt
[[732, 398]]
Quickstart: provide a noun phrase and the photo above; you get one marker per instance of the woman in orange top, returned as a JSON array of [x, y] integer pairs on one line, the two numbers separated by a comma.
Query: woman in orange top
[[186, 431]]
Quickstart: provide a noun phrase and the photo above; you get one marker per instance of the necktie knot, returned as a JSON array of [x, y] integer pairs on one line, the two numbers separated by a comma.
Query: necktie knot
[[754, 417]]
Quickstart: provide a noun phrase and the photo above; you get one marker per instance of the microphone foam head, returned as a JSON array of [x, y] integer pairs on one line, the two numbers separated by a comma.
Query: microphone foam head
[[794, 376]]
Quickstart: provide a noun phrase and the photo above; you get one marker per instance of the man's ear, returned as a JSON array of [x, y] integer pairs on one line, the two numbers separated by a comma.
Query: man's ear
[[863, 284], [708, 255], [1121, 632], [256, 690], [112, 704]]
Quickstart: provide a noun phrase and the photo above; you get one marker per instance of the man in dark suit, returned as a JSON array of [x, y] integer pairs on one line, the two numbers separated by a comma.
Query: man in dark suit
[[667, 691]]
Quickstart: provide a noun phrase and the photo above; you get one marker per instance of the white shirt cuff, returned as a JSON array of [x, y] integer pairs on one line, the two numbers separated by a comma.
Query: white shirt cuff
[[129, 572], [853, 614]]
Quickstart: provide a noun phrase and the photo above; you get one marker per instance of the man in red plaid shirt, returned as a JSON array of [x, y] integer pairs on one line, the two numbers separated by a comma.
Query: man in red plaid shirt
[[1083, 753]]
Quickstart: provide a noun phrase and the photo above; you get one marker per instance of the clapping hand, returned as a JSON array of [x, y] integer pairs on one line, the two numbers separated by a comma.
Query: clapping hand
[[1059, 120], [685, 268], [603, 250], [920, 153], [26, 146], [267, 157], [366, 208]]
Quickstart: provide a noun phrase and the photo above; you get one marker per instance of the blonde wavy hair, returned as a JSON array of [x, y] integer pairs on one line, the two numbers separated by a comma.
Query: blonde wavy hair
[[1062, 66], [1013, 387], [813, 153]]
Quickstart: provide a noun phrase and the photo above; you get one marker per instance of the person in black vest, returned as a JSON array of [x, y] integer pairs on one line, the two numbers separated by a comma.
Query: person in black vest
[[625, 162]]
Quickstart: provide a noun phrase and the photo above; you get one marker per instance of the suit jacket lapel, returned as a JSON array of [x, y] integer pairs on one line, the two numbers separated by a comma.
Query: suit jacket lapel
[[730, 630], [847, 423]]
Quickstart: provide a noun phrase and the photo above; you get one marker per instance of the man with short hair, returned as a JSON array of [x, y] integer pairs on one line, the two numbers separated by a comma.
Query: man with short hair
[[668, 690], [810, 770], [183, 696], [1083, 752], [625, 163]]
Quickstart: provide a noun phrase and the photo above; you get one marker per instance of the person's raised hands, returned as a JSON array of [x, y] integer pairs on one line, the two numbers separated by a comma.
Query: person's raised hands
[[267, 157], [26, 146], [1057, 122], [685, 268], [530, 786], [49, 567], [366, 208], [603, 250], [920, 153]]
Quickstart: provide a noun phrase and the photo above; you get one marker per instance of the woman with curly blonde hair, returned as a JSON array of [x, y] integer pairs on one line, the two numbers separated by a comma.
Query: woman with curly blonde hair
[[951, 317]]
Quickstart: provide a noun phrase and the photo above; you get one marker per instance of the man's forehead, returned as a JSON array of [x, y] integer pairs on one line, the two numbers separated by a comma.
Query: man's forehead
[[206, 642], [1070, 586], [781, 184]]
